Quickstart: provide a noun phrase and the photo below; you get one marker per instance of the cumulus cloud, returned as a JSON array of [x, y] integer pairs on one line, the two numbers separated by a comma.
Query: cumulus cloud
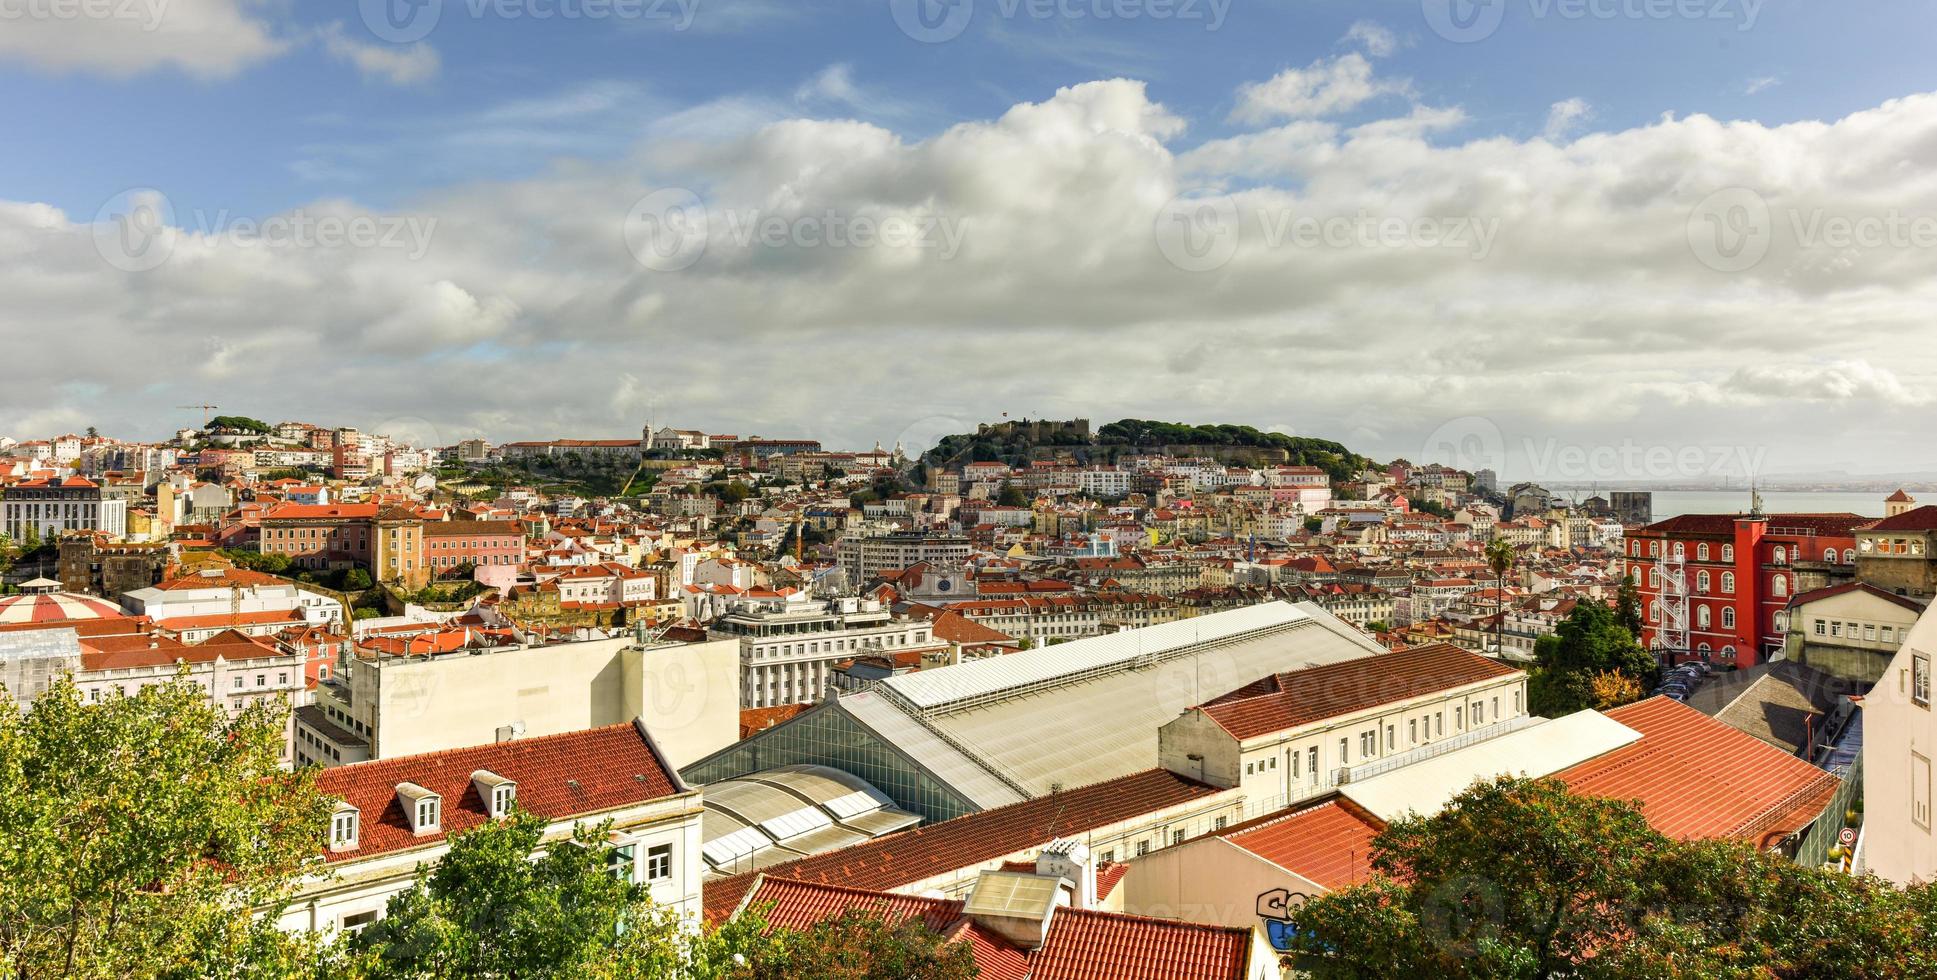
[[1324, 88], [205, 38], [1378, 40], [1565, 117], [396, 64], [1352, 299]]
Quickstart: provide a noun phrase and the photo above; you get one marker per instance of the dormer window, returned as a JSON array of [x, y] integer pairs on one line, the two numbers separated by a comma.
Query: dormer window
[[343, 828], [422, 807], [496, 792]]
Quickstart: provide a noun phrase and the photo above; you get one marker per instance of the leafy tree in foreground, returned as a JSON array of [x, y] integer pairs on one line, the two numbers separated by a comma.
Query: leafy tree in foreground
[[489, 910], [1589, 641], [1521, 879], [137, 834]]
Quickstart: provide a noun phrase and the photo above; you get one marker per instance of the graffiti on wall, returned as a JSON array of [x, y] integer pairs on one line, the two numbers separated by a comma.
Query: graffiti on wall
[[1275, 909]]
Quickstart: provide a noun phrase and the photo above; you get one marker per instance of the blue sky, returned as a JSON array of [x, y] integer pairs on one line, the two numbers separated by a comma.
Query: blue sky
[[1600, 151], [295, 127]]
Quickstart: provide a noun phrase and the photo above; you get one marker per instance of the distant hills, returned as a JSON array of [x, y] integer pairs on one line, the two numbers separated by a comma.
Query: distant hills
[[1017, 443]]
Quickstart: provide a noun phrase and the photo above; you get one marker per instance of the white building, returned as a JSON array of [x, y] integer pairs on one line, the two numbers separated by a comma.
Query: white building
[[1899, 742], [231, 591], [393, 818], [788, 647], [50, 507]]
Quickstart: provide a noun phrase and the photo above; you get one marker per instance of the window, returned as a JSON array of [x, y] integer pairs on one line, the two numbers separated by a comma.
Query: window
[[343, 830], [1779, 586], [1701, 581], [1728, 617], [238, 682], [619, 861], [1728, 583], [659, 862], [1728, 552], [1247, 768], [502, 796], [428, 812], [1344, 752], [1920, 680], [1220, 823], [1920, 790], [1459, 718], [1176, 837], [1412, 732], [1143, 847], [1849, 556], [1701, 617], [360, 921], [1822, 628], [1829, 554]]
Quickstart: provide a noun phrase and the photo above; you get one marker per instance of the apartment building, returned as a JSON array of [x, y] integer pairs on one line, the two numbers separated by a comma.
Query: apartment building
[[789, 645]]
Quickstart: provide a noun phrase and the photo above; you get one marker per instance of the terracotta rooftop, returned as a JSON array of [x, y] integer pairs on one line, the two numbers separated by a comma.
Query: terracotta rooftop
[[1330, 844], [1085, 945], [1301, 697], [558, 776], [1696, 777], [1919, 519], [898, 859]]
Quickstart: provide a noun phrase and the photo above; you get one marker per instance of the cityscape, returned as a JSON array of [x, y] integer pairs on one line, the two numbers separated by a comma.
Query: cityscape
[[938, 489]]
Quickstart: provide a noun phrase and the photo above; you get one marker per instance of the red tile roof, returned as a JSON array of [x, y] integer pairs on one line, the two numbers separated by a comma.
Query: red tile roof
[[1304, 696], [1864, 587], [1919, 519], [898, 859], [801, 905], [1329, 844], [1085, 945], [1696, 777], [558, 776]]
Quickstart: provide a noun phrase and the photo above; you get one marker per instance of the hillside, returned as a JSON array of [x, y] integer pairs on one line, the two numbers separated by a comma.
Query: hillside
[[1017, 443]]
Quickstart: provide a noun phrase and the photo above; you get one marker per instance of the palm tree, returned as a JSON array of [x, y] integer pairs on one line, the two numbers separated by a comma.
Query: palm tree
[[1500, 557]]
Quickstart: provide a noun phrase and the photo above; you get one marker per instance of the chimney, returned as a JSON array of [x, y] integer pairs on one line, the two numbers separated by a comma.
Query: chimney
[[1072, 862]]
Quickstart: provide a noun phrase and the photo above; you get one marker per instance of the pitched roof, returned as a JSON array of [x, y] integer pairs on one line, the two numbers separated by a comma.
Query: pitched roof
[[1696, 777], [1301, 697], [1864, 587], [1329, 844], [1918, 519], [1083, 945], [558, 776], [897, 859]]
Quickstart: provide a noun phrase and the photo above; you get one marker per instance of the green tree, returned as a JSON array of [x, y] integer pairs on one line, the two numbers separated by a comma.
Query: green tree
[[1012, 496], [1586, 888], [138, 833], [489, 909], [356, 580], [1500, 557], [858, 946], [1589, 641], [1627, 606]]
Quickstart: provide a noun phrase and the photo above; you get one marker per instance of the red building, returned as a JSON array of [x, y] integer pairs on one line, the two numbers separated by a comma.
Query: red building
[[1715, 586], [450, 544]]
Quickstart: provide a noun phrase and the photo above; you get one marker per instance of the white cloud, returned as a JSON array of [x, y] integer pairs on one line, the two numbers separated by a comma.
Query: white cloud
[[1761, 84], [396, 64], [1379, 41], [1565, 117], [1590, 317], [1324, 88], [835, 85], [202, 38]]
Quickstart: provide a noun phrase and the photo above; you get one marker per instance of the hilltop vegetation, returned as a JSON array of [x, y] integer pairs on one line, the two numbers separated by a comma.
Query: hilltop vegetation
[[1017, 444]]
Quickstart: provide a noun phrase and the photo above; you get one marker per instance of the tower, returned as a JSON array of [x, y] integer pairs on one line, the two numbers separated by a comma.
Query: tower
[[1898, 503]]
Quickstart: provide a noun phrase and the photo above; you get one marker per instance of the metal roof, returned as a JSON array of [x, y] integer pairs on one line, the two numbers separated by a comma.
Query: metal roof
[[783, 814], [1104, 724], [1066, 663], [1536, 750]]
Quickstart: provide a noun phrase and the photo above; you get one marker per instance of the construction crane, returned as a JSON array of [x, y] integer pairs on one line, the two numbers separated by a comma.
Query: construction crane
[[208, 412]]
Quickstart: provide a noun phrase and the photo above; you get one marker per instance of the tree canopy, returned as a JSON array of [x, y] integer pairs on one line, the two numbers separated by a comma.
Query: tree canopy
[[1521, 879], [136, 833], [1589, 642]]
